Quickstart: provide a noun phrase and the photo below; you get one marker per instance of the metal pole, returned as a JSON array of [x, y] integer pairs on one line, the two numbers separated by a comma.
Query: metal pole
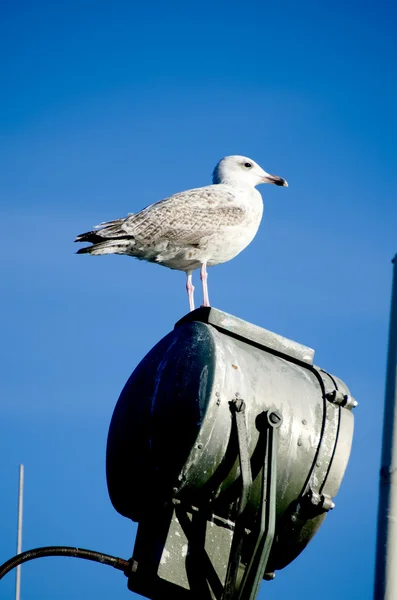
[[19, 532], [386, 552]]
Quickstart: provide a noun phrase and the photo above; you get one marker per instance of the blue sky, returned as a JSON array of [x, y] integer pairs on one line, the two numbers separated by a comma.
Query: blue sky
[[107, 107]]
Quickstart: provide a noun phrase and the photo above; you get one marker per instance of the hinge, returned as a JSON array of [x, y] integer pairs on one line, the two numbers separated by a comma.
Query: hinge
[[341, 399], [321, 500]]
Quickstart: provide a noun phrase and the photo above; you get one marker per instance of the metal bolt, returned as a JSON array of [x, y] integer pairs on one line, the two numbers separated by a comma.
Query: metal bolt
[[199, 446], [275, 418], [217, 394], [304, 422], [269, 576], [299, 442], [293, 518]]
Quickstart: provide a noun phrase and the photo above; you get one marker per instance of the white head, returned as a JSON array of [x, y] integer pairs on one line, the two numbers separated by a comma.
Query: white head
[[240, 169]]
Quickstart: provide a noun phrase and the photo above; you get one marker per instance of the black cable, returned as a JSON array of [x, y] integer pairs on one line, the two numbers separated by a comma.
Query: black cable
[[105, 559]]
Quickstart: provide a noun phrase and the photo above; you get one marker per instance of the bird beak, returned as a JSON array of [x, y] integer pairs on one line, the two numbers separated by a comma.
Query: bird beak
[[274, 179]]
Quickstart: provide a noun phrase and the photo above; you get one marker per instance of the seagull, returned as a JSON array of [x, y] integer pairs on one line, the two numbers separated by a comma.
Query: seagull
[[191, 230]]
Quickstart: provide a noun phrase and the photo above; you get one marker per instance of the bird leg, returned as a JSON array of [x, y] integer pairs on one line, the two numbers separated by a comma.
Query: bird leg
[[203, 277], [190, 289]]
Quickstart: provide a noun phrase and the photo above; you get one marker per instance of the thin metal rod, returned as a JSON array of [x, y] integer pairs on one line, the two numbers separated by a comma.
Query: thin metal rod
[[237, 407], [19, 532], [386, 551]]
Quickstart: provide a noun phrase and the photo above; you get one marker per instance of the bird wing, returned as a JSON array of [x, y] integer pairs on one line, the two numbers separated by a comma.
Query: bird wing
[[185, 218]]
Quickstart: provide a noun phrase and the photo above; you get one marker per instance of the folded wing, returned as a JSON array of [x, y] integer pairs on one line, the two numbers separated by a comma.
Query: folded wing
[[181, 220]]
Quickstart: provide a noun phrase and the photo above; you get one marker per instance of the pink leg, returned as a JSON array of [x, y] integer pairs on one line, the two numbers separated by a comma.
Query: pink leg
[[190, 289], [203, 277]]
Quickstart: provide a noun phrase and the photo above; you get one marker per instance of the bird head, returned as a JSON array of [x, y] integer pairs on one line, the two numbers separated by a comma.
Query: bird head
[[240, 169]]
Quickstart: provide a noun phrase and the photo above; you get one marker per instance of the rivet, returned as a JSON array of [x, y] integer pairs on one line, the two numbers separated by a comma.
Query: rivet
[[199, 446], [299, 442], [304, 422], [217, 394]]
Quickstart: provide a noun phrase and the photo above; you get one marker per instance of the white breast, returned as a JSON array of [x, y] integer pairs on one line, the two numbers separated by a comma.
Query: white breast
[[222, 248]]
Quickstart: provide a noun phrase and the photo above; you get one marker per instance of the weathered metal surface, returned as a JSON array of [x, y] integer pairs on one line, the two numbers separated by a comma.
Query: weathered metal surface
[[173, 567], [248, 332], [172, 436]]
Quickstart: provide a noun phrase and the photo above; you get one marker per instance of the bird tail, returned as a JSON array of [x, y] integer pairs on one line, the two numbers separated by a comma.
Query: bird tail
[[106, 238], [105, 247]]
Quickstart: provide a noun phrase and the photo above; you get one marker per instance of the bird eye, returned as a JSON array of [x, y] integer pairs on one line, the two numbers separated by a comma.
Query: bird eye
[[248, 165]]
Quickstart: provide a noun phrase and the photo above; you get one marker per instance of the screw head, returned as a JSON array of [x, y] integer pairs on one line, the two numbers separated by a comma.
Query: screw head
[[275, 418]]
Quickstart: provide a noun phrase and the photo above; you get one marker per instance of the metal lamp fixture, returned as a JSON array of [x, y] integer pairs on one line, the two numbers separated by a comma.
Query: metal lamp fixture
[[227, 445]]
